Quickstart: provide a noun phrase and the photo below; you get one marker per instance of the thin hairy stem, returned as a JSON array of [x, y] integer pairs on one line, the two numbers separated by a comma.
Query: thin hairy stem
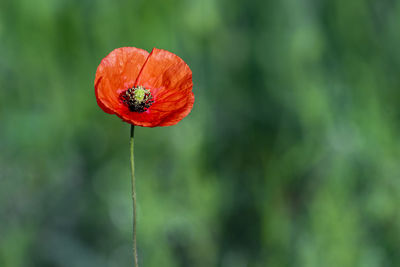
[[133, 194]]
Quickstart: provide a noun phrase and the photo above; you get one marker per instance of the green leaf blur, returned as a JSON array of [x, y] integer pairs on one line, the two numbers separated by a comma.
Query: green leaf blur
[[290, 156]]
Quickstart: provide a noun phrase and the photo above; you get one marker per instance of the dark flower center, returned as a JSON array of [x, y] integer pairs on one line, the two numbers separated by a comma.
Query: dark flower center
[[137, 99]]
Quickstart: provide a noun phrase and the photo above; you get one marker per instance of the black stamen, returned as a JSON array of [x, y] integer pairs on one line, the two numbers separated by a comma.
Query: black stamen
[[128, 98]]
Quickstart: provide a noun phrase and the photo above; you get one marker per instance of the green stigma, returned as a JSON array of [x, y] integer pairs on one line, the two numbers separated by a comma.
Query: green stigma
[[140, 93]]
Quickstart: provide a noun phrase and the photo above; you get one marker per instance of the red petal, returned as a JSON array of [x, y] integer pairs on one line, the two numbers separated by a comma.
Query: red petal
[[169, 79], [179, 114], [117, 72]]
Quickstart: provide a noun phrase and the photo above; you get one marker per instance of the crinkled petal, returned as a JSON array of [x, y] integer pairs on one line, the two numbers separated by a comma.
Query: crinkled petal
[[117, 72], [169, 79], [174, 117]]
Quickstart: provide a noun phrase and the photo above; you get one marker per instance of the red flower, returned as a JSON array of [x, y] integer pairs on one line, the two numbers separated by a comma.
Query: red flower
[[144, 89]]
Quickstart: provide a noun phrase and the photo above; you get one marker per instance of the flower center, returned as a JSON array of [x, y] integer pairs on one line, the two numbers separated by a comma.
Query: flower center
[[137, 99]]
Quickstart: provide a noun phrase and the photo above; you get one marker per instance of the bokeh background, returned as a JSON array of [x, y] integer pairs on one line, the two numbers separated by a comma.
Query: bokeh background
[[290, 156]]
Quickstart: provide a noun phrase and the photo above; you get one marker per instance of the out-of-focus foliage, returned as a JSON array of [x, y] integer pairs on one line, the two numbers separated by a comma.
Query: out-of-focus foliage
[[290, 156]]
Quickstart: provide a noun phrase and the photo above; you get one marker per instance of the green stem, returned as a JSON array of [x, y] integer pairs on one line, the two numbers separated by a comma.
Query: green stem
[[133, 194]]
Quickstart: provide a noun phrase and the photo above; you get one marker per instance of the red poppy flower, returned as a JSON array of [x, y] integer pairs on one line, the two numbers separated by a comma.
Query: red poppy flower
[[144, 89]]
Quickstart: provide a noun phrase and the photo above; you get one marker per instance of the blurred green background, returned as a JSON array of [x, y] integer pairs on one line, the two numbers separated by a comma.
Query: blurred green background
[[290, 156]]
